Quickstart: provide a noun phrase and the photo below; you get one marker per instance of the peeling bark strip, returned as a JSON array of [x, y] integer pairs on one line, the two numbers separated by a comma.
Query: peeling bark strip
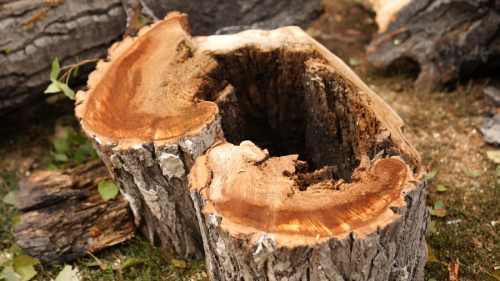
[[165, 98], [449, 40], [34, 32], [66, 216]]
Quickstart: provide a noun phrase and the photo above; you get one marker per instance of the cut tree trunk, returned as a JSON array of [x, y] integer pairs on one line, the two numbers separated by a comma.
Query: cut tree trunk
[[449, 40], [34, 32], [66, 217], [165, 98]]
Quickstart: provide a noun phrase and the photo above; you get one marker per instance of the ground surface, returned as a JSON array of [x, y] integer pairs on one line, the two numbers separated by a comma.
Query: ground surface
[[443, 126]]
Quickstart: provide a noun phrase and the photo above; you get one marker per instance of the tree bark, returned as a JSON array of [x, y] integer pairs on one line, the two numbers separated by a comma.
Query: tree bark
[[449, 40], [163, 99], [66, 217], [34, 32]]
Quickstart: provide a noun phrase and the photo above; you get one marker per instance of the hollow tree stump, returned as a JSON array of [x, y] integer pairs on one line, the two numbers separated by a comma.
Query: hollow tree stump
[[65, 217], [164, 99], [267, 218], [449, 40]]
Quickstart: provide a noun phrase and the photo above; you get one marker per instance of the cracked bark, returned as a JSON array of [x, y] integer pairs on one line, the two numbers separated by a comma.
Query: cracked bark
[[65, 216], [449, 40], [87, 28]]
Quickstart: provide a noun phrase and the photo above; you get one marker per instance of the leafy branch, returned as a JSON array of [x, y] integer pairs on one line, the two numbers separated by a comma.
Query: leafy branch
[[61, 84]]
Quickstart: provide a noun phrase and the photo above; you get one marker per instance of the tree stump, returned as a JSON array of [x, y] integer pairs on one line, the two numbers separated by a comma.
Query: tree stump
[[268, 218], [66, 217], [449, 40], [164, 99], [33, 33]]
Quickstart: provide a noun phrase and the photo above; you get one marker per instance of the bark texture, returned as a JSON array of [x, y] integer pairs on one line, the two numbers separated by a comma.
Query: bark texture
[[449, 40], [66, 217], [34, 32], [153, 180], [396, 252]]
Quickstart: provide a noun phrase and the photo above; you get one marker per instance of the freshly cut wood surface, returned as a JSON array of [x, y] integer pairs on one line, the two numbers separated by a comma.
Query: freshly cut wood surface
[[252, 191], [148, 74], [66, 216]]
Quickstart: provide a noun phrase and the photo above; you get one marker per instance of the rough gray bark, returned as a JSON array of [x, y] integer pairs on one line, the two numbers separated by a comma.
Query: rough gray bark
[[66, 216], [449, 40], [153, 181], [87, 28], [396, 252]]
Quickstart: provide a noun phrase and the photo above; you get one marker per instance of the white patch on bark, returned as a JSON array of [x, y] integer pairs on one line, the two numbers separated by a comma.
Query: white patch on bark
[[134, 205], [171, 165], [151, 198], [115, 159], [97, 139], [212, 218]]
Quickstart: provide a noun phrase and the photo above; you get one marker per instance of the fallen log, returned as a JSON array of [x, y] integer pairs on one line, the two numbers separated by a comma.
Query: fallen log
[[165, 98], [33, 33], [66, 217], [449, 40]]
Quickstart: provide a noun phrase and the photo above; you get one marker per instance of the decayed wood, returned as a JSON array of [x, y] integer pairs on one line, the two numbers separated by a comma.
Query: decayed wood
[[34, 32], [66, 217], [164, 98], [449, 40], [266, 218]]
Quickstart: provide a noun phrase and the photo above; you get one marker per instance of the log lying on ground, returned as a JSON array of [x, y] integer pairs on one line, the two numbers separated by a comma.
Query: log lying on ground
[[66, 217], [164, 98], [33, 33], [449, 40]]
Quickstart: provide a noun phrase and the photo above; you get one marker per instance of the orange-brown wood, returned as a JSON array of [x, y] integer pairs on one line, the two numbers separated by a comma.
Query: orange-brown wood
[[147, 90], [253, 192]]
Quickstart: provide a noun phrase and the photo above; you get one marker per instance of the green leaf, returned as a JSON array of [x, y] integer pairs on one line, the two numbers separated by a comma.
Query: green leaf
[[432, 228], [25, 260], [496, 274], [431, 175], [52, 167], [61, 145], [67, 91], [75, 72], [5, 256], [26, 272], [55, 87], [178, 263], [432, 279], [77, 138], [15, 221], [131, 262], [10, 198], [91, 150], [441, 187], [431, 256], [354, 62], [9, 275], [78, 157], [68, 274], [16, 250], [59, 157], [439, 209], [469, 173], [55, 70], [166, 254], [108, 190]]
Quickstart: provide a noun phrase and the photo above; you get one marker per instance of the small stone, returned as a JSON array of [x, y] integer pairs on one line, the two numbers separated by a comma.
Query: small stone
[[398, 88]]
